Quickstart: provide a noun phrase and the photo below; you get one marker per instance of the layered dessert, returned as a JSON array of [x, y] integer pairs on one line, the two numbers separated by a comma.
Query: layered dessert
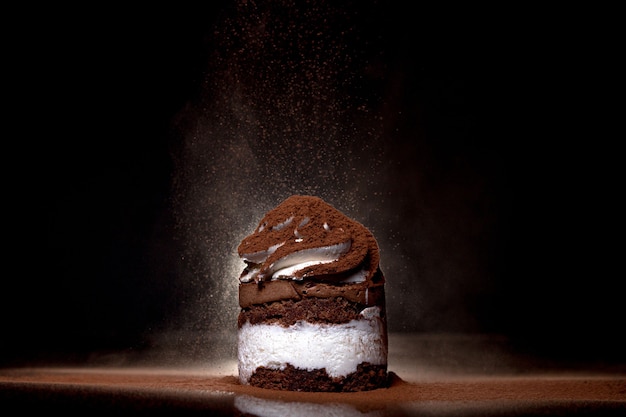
[[312, 302]]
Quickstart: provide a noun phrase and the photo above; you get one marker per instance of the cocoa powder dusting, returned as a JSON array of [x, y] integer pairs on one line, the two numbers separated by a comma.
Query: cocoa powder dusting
[[155, 383], [307, 222]]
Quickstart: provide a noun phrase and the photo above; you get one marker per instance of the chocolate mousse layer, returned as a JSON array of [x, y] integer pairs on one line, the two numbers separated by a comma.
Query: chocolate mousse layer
[[367, 293]]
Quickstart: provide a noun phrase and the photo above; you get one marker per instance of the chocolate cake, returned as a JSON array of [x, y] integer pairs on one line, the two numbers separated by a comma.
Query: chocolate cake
[[312, 302]]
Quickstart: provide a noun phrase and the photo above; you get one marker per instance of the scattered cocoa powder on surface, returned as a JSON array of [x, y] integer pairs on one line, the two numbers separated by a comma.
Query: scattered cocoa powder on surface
[[480, 388]]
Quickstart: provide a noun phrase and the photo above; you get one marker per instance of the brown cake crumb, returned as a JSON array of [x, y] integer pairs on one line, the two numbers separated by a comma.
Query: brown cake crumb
[[335, 310], [367, 377]]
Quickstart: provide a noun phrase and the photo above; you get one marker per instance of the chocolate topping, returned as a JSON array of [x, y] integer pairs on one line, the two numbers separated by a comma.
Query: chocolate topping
[[301, 231]]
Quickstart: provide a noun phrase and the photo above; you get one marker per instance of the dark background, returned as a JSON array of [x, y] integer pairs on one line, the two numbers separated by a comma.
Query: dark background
[[519, 98]]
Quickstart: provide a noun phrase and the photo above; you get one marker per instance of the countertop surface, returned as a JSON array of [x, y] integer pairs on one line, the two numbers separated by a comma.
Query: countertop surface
[[451, 376], [184, 390]]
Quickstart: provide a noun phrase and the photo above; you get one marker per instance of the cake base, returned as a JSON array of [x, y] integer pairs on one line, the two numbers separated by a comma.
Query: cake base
[[367, 377]]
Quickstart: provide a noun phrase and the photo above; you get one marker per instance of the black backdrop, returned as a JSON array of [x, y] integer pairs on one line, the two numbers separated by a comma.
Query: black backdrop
[[521, 96]]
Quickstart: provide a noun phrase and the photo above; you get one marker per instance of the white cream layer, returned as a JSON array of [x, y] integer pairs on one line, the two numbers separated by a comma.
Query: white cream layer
[[338, 348], [288, 265]]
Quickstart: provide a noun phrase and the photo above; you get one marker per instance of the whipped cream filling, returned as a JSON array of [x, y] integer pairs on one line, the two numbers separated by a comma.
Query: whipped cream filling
[[338, 348], [290, 271], [290, 264], [358, 276], [261, 256], [287, 266]]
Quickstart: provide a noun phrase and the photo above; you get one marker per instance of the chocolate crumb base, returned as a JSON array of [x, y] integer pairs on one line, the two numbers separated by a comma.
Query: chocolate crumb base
[[335, 310], [367, 377]]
